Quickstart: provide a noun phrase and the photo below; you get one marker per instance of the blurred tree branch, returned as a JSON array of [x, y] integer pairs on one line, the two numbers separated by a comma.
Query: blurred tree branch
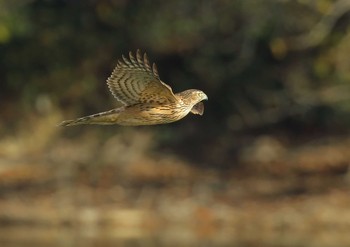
[[322, 29]]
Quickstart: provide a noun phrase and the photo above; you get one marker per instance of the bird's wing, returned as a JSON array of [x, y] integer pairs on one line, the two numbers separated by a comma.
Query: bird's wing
[[198, 108], [133, 81]]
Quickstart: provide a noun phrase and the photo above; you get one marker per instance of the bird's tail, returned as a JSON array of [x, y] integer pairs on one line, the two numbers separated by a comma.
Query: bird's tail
[[103, 118]]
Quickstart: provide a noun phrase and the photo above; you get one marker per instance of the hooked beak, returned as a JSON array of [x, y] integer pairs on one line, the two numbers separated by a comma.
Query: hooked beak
[[205, 97]]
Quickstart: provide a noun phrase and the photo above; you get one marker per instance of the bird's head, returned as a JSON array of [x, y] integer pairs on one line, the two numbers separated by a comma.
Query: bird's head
[[193, 98], [199, 95]]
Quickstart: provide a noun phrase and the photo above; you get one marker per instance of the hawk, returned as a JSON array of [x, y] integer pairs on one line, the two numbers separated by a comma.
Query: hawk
[[146, 99]]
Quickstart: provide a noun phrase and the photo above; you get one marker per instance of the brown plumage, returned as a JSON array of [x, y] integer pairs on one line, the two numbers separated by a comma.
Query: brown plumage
[[147, 100]]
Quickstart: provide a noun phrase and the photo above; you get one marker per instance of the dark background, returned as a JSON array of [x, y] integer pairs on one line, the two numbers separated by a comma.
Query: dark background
[[275, 127]]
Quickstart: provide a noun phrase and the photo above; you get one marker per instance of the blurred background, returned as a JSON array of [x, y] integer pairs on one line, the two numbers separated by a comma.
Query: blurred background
[[266, 165]]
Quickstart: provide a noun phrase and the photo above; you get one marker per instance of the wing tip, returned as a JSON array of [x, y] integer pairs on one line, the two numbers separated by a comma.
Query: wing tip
[[155, 70], [65, 123]]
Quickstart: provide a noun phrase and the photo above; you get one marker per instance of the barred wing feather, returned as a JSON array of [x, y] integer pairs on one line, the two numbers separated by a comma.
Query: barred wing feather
[[133, 81]]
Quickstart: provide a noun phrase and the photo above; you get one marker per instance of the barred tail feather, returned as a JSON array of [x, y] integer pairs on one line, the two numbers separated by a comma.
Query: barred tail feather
[[102, 118]]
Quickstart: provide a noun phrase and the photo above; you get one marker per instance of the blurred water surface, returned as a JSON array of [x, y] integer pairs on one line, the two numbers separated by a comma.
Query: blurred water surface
[[168, 237]]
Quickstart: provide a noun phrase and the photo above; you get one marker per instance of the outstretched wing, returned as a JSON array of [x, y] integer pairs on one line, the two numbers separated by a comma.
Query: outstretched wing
[[133, 81]]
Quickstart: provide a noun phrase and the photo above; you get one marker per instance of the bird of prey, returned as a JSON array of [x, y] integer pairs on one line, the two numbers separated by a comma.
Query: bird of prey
[[146, 99]]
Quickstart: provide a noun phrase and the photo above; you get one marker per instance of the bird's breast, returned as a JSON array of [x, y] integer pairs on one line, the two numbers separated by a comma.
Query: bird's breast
[[148, 114]]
